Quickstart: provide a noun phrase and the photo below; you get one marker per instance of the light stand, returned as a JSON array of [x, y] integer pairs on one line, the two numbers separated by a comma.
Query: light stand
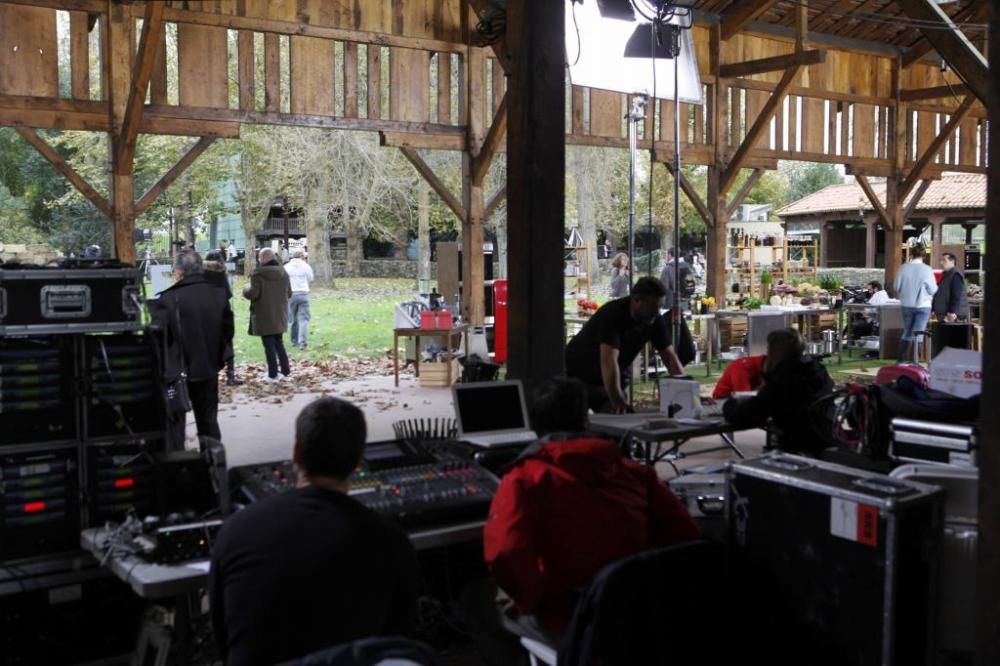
[[635, 116]]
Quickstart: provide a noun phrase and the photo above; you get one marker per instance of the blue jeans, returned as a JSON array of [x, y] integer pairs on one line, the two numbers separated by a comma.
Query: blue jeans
[[298, 319], [915, 321], [274, 351]]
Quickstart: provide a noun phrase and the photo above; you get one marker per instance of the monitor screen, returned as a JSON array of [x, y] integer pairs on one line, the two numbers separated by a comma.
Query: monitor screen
[[490, 407]]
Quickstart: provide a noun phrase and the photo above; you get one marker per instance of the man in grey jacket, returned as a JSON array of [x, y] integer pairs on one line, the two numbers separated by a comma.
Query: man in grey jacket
[[268, 293], [915, 286]]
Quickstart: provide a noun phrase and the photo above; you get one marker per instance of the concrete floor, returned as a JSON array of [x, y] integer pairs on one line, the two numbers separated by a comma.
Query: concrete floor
[[258, 420]]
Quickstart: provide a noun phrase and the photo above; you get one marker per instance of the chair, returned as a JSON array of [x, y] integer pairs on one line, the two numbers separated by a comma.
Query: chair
[[436, 428], [635, 605]]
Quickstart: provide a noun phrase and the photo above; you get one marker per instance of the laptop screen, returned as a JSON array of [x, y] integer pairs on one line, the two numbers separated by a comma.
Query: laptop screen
[[490, 406]]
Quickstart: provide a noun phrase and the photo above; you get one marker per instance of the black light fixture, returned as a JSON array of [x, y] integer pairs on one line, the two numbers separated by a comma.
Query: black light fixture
[[665, 42], [616, 9]]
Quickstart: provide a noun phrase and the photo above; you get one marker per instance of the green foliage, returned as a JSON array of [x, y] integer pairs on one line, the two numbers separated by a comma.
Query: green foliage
[[829, 282], [752, 303], [766, 277], [804, 178]]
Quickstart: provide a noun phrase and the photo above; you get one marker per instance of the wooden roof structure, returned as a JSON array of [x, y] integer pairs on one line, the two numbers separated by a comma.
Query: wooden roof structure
[[855, 82]]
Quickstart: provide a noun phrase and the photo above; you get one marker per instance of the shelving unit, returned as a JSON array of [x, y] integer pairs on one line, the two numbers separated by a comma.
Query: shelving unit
[[748, 262], [577, 266]]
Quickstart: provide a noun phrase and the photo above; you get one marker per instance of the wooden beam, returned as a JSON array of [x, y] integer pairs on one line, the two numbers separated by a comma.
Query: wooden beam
[[436, 184], [494, 202], [801, 26], [79, 55], [142, 71], [911, 205], [266, 25], [498, 130], [752, 67], [56, 160], [741, 14], [692, 195], [91, 6], [422, 141], [173, 174], [757, 130], [246, 70], [875, 202], [949, 41], [974, 11], [937, 92], [272, 72], [744, 191], [917, 172]]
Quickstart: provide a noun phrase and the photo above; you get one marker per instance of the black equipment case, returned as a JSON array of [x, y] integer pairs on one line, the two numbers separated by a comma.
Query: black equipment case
[[840, 564], [40, 301]]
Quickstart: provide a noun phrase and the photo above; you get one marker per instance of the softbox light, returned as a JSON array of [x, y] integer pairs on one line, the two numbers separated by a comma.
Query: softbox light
[[598, 59]]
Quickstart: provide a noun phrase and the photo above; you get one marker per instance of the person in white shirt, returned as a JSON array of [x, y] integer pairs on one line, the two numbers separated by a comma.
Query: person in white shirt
[[300, 275], [231, 251], [879, 296], [915, 287]]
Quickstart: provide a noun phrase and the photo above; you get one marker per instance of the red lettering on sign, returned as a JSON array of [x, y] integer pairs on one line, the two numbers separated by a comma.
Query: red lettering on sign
[[867, 525]]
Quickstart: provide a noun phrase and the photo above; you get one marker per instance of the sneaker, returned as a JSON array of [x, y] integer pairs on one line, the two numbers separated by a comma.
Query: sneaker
[[303, 347], [273, 380], [233, 381]]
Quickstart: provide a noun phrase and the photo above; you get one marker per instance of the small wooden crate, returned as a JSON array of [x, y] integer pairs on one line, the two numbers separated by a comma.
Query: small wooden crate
[[436, 374], [732, 332]]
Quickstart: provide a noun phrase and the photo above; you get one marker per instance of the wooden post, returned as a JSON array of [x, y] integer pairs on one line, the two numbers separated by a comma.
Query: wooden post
[[473, 277], [871, 242], [119, 51], [893, 186], [718, 233], [988, 574], [536, 154]]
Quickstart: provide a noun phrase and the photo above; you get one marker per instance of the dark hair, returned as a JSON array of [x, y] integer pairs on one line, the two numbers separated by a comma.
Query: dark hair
[[330, 435], [188, 262], [917, 251], [952, 258], [782, 344], [559, 405], [216, 255], [648, 287], [876, 285]]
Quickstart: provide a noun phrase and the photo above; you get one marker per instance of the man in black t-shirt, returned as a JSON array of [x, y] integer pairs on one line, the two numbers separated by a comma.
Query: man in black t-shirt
[[311, 568], [601, 354]]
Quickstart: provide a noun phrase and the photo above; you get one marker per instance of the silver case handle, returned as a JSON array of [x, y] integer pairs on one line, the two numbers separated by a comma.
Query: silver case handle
[[70, 301]]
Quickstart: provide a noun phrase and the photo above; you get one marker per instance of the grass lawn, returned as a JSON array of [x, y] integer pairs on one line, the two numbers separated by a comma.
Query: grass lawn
[[355, 319]]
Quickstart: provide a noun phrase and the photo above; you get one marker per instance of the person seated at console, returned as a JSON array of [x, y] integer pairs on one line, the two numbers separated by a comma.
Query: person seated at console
[[793, 382], [570, 505], [741, 376], [311, 568]]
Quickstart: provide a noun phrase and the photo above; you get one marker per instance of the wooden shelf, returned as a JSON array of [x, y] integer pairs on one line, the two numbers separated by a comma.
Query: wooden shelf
[[778, 254]]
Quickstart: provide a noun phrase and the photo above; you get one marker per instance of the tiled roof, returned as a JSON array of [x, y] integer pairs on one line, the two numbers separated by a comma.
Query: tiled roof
[[951, 192]]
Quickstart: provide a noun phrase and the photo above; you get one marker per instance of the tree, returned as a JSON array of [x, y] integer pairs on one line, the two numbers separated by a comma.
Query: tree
[[804, 178]]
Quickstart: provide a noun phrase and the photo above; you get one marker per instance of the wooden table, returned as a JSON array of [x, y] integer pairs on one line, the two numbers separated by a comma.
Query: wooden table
[[447, 333]]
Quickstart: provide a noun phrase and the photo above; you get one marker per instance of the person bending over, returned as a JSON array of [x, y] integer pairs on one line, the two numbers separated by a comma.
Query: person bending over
[[742, 375], [601, 354], [311, 568], [570, 505], [793, 381]]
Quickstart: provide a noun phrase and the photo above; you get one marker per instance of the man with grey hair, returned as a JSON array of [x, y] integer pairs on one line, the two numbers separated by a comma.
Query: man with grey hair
[[196, 319], [268, 293], [300, 274]]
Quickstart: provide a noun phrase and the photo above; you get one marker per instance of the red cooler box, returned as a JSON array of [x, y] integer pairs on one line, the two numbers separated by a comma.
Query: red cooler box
[[500, 321]]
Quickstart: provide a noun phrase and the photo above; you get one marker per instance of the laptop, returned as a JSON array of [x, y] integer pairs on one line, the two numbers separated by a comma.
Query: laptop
[[492, 413]]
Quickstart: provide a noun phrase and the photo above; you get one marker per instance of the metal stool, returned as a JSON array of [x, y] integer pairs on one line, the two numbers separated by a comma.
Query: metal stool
[[920, 346], [436, 428]]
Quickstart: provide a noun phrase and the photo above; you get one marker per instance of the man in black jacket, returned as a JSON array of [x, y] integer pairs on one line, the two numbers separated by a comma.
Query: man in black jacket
[[793, 382], [951, 302], [198, 324]]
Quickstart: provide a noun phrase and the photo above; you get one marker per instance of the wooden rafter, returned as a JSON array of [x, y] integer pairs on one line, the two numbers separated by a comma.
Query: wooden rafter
[[149, 43], [692, 195], [874, 200], [801, 26], [741, 14], [937, 92], [173, 174], [428, 174], [744, 191], [973, 12], [956, 49], [56, 160], [751, 67], [757, 130], [498, 198], [911, 205], [917, 172], [498, 130]]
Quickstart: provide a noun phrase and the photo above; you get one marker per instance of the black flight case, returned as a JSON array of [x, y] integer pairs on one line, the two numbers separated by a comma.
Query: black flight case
[[94, 298], [838, 564]]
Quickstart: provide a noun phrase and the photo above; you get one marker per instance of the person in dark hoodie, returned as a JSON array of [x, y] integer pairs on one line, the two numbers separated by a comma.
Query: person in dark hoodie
[[571, 504], [215, 272], [793, 381], [198, 324], [268, 293]]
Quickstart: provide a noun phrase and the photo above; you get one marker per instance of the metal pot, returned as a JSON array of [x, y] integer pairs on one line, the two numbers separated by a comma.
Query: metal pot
[[829, 341], [814, 348]]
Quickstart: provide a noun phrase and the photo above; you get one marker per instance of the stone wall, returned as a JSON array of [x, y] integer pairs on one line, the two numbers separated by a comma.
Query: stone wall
[[855, 277], [34, 253], [390, 268]]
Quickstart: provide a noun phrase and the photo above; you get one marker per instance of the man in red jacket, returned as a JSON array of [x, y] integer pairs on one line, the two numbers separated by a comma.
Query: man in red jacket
[[742, 375], [571, 505]]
